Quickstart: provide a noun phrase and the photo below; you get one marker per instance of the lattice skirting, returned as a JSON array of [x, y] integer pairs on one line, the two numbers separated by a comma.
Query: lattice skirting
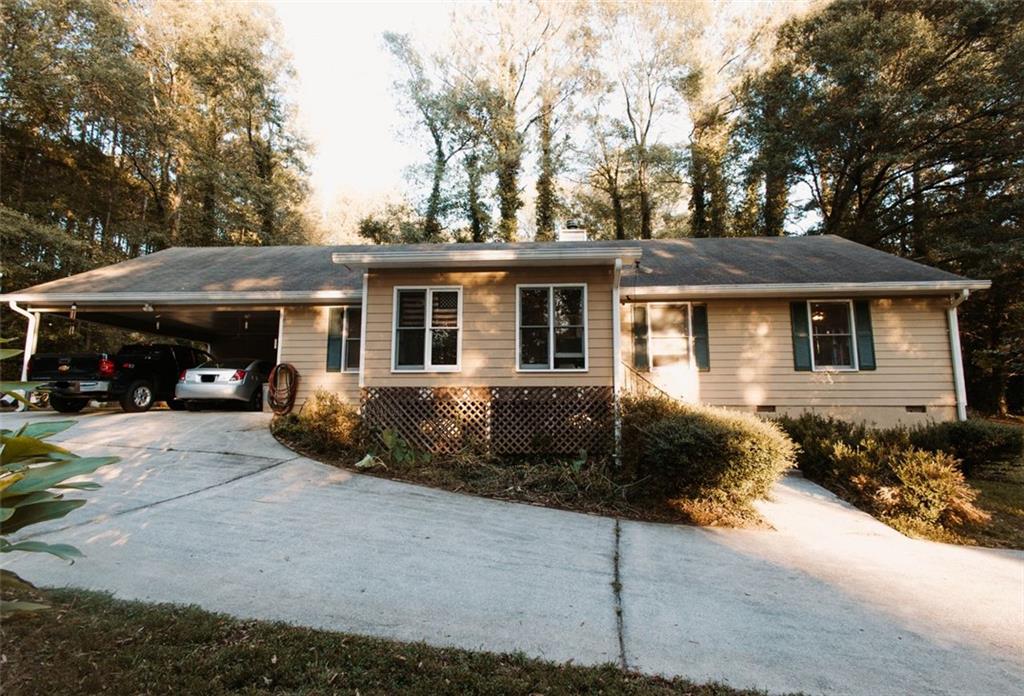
[[504, 420]]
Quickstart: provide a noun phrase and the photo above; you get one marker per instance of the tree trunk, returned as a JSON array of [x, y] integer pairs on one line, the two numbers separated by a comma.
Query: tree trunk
[[918, 241], [776, 196], [546, 200], [618, 213], [431, 225], [698, 194], [474, 207]]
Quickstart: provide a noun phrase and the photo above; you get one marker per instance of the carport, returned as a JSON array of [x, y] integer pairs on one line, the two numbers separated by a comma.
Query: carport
[[230, 298]]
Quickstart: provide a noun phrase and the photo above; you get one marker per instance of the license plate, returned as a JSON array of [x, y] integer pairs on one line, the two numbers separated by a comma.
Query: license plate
[[208, 378]]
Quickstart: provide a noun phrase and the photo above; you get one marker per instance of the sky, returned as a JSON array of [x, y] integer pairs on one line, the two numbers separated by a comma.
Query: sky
[[347, 106]]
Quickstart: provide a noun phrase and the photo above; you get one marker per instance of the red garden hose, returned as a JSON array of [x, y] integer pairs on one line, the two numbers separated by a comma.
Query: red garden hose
[[282, 387]]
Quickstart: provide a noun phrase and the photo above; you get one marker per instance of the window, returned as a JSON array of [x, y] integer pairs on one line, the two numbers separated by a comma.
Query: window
[[832, 335], [668, 335], [344, 331], [551, 327], [427, 329]]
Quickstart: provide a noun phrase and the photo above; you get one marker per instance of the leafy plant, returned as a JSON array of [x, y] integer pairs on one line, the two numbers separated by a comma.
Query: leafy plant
[[399, 451], [15, 389], [34, 476]]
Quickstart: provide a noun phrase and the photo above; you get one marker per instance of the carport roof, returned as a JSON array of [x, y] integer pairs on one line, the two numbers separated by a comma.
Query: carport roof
[[736, 266]]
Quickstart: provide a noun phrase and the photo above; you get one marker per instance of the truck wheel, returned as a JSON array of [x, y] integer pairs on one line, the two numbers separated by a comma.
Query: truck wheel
[[176, 404], [61, 404], [138, 398]]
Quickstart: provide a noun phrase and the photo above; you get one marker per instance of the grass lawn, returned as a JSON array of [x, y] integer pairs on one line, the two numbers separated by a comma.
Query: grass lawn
[[88, 642], [1004, 500]]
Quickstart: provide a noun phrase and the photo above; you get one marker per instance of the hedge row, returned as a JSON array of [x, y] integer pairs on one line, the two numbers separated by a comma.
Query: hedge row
[[916, 474]]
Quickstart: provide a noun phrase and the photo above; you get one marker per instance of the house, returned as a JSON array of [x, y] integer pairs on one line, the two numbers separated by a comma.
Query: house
[[515, 342]]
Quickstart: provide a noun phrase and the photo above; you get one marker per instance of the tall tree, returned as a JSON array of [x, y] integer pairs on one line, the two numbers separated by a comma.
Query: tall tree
[[441, 108], [651, 45], [905, 122]]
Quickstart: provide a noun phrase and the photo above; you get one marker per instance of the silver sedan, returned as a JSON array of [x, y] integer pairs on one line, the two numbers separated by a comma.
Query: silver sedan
[[239, 380]]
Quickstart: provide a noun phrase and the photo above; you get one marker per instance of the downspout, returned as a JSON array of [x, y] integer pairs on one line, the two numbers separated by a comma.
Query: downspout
[[959, 384], [31, 337], [617, 356], [362, 332]]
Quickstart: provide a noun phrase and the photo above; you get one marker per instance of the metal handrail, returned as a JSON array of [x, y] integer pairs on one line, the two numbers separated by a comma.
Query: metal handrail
[[636, 384]]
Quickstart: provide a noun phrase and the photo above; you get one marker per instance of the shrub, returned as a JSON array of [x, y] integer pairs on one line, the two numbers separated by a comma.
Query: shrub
[[700, 452], [886, 471], [976, 443], [896, 481], [325, 424], [817, 437]]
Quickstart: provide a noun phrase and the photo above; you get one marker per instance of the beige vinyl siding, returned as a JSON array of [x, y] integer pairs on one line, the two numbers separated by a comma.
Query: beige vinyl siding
[[489, 327], [751, 353], [304, 345]]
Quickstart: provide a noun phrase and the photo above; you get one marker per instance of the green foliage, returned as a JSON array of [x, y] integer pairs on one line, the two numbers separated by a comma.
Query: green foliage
[[901, 483], [33, 479], [905, 122], [700, 452], [132, 126], [399, 452], [324, 425], [976, 443], [910, 477]]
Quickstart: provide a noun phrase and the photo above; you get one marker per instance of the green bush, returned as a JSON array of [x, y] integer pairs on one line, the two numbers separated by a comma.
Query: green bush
[[976, 443], [700, 452], [894, 473], [898, 482], [325, 425]]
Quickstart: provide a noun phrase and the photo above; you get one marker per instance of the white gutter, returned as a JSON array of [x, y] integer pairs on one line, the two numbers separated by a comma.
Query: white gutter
[[807, 289], [617, 354], [505, 257], [212, 297], [362, 333], [959, 384], [31, 339]]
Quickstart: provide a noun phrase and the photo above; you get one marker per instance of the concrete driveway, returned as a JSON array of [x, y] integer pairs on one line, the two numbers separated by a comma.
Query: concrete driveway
[[207, 508]]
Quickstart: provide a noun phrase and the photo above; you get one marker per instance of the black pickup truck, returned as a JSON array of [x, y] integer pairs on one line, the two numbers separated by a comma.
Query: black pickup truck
[[137, 376]]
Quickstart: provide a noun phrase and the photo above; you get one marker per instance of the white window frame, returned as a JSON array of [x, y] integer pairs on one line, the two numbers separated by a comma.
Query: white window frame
[[691, 358], [428, 321], [853, 337], [551, 329], [344, 338]]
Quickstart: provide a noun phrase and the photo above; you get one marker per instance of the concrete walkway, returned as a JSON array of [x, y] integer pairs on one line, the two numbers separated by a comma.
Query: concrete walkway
[[207, 508]]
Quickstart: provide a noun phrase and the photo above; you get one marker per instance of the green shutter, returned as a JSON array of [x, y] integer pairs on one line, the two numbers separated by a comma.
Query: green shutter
[[865, 336], [701, 346], [640, 360], [800, 323]]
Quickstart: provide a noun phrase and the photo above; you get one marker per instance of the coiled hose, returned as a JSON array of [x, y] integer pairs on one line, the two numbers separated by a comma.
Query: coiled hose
[[282, 387]]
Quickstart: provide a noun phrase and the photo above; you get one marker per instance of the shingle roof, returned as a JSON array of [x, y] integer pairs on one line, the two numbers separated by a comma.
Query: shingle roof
[[677, 262], [774, 260]]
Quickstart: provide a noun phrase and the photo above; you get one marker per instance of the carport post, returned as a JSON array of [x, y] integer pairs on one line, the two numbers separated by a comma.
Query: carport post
[[31, 336], [280, 333]]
